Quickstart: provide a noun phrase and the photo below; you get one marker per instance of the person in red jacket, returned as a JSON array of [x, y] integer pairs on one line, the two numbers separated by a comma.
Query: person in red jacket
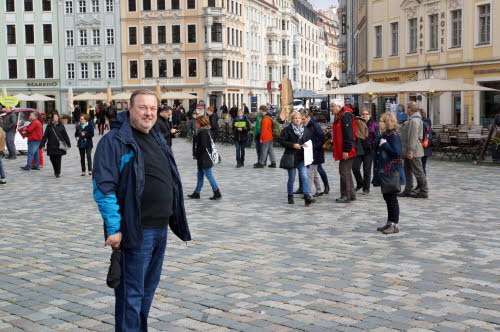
[[343, 137], [34, 133], [266, 139]]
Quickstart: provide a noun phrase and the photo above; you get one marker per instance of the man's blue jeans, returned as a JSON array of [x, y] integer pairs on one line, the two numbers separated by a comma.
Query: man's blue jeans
[[324, 176], [304, 183], [202, 172], [240, 150], [33, 147], [2, 173], [141, 271]]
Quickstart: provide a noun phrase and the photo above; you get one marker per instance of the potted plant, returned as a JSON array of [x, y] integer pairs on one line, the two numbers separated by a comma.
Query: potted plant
[[495, 149], [65, 118]]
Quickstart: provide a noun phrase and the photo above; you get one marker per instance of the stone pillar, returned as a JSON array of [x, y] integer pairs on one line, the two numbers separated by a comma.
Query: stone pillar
[[209, 36]]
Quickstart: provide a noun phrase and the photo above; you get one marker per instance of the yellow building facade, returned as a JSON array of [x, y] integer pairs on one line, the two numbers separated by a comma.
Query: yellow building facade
[[460, 39]]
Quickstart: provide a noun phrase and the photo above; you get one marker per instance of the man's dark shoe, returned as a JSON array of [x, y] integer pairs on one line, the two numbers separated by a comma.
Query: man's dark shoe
[[298, 192], [383, 228], [194, 195], [35, 168], [308, 200], [242, 163], [418, 195], [290, 199], [217, 195], [343, 199], [25, 168], [392, 229], [353, 198], [258, 165], [238, 164], [57, 175], [365, 192], [318, 194], [272, 165], [326, 191], [404, 194], [358, 188]]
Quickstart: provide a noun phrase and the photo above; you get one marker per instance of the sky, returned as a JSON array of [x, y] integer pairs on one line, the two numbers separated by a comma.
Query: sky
[[324, 4]]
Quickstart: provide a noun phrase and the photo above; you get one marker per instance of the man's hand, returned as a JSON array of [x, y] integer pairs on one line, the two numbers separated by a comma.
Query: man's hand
[[345, 155], [240, 129], [44, 149], [114, 240], [296, 146], [83, 134], [409, 156], [173, 131]]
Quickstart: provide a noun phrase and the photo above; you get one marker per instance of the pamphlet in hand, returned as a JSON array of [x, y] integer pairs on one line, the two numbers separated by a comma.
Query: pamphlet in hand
[[308, 153]]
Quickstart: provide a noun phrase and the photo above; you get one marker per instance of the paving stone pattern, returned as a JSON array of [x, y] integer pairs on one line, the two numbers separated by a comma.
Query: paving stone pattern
[[257, 263]]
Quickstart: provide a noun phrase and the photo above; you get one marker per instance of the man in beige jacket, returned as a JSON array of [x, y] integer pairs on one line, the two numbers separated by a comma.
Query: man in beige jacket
[[412, 133]]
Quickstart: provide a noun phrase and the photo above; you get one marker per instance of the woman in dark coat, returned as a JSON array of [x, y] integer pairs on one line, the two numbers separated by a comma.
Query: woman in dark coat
[[55, 132], [206, 157], [427, 134], [318, 138], [84, 133], [292, 139], [366, 159]]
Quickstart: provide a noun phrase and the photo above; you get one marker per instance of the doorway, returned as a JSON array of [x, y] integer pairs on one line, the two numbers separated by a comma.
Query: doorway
[[457, 109], [213, 101]]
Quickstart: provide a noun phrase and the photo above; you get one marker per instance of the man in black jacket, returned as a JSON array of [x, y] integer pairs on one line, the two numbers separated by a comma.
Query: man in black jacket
[[9, 126], [164, 126], [214, 122]]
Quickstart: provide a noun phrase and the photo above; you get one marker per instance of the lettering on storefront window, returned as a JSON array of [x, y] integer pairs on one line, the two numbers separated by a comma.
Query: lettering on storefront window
[[41, 84]]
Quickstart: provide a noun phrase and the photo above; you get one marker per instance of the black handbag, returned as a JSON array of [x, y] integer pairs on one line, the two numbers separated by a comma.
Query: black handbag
[[115, 270], [390, 183], [287, 161]]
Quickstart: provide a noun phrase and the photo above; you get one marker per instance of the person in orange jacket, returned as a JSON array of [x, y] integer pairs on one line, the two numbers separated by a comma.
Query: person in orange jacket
[[35, 134], [266, 139]]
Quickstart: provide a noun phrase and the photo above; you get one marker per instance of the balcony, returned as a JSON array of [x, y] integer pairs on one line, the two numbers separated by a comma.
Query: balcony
[[287, 11], [273, 31], [214, 46], [215, 80], [273, 58], [214, 11]]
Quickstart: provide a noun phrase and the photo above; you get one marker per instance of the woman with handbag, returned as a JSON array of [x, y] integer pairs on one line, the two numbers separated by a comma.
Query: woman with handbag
[[57, 141], [84, 133], [389, 157], [293, 138], [207, 156]]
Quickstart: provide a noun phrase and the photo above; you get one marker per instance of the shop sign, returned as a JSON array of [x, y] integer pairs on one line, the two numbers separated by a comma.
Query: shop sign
[[234, 90], [329, 74], [41, 84], [9, 101], [396, 78], [174, 90]]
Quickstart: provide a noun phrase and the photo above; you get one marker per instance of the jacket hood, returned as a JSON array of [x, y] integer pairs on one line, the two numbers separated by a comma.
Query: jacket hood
[[120, 119]]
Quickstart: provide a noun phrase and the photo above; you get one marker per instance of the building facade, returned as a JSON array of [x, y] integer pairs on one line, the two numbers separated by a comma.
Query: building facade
[[458, 38], [328, 22], [29, 59], [90, 49]]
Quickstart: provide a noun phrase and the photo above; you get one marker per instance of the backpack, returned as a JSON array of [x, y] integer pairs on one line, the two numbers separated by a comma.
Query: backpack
[[276, 127], [362, 131]]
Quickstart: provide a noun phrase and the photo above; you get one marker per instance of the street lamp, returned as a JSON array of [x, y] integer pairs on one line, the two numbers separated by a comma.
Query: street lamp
[[428, 71], [328, 85]]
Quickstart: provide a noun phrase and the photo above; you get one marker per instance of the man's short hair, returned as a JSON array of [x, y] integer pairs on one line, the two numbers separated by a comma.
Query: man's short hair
[[166, 109], [413, 106], [142, 92], [263, 108]]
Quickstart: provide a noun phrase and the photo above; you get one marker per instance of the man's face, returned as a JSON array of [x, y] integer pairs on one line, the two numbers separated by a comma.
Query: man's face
[[263, 112], [8, 109], [32, 116], [335, 109], [168, 114], [143, 113], [240, 113]]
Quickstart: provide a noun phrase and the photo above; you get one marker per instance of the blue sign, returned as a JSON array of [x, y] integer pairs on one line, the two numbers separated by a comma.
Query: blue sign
[[253, 99], [328, 74]]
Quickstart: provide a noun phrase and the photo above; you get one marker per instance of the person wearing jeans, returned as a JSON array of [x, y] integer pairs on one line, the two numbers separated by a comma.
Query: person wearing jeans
[[2, 146], [9, 126], [241, 126], [84, 133], [201, 174], [266, 139], [35, 133]]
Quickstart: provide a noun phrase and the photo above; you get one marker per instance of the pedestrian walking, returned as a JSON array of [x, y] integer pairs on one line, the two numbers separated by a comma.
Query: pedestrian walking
[[427, 123], [316, 169], [344, 150], [389, 156], [266, 139], [241, 126], [91, 113], [9, 127], [412, 133], [2, 150], [55, 142], [206, 157], [76, 115], [84, 133], [366, 159], [233, 112], [137, 198], [34, 133], [213, 121], [293, 139], [256, 133]]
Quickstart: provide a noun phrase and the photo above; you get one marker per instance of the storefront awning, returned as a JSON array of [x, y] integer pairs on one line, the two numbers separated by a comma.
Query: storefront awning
[[178, 95], [366, 88]]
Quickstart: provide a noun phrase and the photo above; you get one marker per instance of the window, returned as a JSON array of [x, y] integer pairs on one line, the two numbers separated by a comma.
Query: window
[[456, 28], [148, 68], [148, 39], [484, 23], [69, 7], [270, 74], [192, 66], [96, 37], [111, 70], [109, 6], [177, 68], [28, 5], [211, 3], [433, 32], [97, 70], [162, 68], [47, 33], [146, 4], [132, 6], [217, 67], [175, 4], [29, 34], [69, 38], [82, 6], [110, 36], [378, 41], [217, 32], [191, 33], [162, 34], [10, 7], [70, 71], [394, 38], [413, 34], [12, 68], [83, 38], [11, 34], [95, 6], [176, 34], [133, 69], [30, 68], [46, 5], [84, 70], [132, 35], [48, 65], [160, 4], [191, 4]]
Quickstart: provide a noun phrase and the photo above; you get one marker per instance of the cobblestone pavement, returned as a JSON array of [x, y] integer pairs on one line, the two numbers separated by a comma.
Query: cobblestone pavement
[[257, 263]]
